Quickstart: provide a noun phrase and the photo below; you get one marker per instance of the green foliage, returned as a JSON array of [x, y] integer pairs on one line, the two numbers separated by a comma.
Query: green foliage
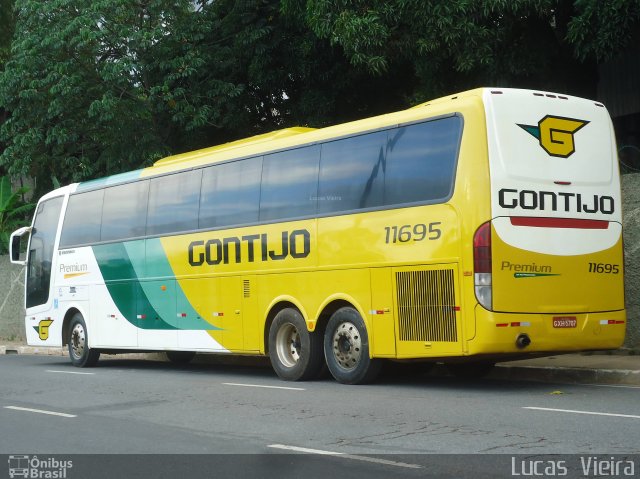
[[7, 23], [96, 87], [13, 211], [601, 29], [457, 44]]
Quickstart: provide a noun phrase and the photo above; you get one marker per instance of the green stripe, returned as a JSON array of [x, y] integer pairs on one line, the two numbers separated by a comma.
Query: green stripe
[[148, 288], [532, 275]]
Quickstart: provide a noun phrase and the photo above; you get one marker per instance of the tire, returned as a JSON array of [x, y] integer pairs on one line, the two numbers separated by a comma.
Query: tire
[[79, 352], [346, 348], [472, 370], [295, 353], [180, 357]]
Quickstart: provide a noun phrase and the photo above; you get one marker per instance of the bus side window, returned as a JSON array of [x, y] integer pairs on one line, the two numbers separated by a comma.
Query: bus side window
[[173, 203], [82, 219], [290, 184], [421, 161], [352, 173], [230, 193], [125, 211]]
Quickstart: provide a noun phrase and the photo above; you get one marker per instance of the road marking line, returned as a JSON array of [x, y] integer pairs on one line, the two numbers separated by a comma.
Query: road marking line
[[583, 412], [66, 372], [261, 386], [40, 411], [375, 460], [612, 386]]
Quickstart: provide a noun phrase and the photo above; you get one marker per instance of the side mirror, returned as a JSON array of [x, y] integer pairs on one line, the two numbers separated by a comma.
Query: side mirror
[[14, 245]]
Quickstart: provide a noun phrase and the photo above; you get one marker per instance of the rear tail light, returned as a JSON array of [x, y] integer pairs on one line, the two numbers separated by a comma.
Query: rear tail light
[[482, 265]]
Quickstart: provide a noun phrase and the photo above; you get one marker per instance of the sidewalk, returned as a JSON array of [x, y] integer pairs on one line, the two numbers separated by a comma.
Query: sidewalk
[[585, 368]]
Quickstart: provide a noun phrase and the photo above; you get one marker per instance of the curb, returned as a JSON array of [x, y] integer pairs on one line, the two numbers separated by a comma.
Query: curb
[[6, 350], [567, 375], [63, 352]]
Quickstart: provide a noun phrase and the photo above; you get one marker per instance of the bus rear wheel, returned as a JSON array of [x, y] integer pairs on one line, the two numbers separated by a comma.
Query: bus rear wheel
[[295, 352], [346, 348], [81, 355]]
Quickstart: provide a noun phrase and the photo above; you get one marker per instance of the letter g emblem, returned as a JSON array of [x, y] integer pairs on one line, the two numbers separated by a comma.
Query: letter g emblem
[[556, 134]]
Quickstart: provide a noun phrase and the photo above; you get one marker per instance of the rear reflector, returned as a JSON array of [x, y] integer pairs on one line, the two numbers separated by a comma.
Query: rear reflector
[[559, 223], [611, 321]]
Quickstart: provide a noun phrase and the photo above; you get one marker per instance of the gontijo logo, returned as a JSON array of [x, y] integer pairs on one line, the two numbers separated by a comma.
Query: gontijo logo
[[556, 134], [43, 328]]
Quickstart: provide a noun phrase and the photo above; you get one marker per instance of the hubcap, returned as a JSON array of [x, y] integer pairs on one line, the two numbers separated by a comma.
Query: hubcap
[[347, 345], [78, 341], [288, 345]]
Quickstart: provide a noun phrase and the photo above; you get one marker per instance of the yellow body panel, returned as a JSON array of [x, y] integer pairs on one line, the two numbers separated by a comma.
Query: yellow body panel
[[528, 282], [589, 333]]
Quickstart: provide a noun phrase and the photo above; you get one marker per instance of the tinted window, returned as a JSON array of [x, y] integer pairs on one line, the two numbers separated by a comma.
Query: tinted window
[[352, 173], [290, 184], [82, 219], [421, 161], [230, 193], [40, 253], [173, 203], [125, 211]]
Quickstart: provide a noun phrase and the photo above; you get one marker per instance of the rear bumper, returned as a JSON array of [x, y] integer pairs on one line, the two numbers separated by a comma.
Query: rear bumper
[[497, 333]]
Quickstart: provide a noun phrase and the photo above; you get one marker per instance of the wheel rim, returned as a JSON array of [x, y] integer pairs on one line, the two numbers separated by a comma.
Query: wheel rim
[[78, 341], [288, 345], [347, 345]]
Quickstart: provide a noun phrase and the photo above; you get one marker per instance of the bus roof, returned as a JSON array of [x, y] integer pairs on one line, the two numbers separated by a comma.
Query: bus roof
[[252, 140]]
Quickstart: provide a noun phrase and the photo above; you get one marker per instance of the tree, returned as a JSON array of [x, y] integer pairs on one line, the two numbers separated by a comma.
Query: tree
[[450, 45], [12, 211], [7, 24], [96, 87], [101, 86]]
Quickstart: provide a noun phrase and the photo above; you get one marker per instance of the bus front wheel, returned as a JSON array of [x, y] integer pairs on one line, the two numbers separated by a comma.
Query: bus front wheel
[[81, 355], [295, 352], [346, 348]]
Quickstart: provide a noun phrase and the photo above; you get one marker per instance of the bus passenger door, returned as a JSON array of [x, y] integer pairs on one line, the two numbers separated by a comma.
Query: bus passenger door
[[427, 306]]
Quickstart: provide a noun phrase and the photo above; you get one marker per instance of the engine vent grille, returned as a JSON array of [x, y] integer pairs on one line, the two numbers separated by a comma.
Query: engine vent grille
[[246, 288], [426, 302]]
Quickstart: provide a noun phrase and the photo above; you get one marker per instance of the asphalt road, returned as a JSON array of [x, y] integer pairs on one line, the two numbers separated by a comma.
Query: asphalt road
[[247, 422]]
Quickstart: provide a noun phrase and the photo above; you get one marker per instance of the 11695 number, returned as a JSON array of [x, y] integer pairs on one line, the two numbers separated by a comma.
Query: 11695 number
[[418, 232], [604, 268]]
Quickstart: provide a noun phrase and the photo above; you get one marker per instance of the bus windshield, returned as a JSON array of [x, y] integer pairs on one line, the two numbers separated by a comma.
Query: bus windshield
[[40, 254]]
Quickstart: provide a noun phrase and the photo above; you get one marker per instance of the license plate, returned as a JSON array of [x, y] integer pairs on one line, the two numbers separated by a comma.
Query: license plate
[[565, 322]]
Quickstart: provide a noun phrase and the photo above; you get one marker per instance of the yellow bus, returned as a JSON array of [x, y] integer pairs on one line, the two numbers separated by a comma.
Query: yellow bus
[[474, 228]]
